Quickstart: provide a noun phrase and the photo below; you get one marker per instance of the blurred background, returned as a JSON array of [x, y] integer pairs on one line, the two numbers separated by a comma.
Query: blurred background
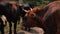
[[36, 2]]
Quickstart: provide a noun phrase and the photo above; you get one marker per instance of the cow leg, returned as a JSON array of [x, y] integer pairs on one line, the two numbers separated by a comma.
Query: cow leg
[[2, 27], [5, 23], [15, 26], [10, 25], [18, 21]]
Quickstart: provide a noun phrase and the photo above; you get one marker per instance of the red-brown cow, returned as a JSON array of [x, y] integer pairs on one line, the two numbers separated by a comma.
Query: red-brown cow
[[48, 18]]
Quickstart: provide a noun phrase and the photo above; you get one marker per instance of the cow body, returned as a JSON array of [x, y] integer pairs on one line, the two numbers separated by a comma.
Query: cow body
[[12, 11], [9, 10], [48, 18]]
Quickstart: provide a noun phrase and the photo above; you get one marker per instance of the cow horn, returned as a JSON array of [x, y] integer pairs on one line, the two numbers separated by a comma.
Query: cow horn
[[25, 10], [30, 8]]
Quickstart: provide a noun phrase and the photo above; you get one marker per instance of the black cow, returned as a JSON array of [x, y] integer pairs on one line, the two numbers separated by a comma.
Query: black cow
[[11, 14], [12, 11], [23, 8]]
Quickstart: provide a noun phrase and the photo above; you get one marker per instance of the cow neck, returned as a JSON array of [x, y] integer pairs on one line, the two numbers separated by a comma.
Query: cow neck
[[42, 12]]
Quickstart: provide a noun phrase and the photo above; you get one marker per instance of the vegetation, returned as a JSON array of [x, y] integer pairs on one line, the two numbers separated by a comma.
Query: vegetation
[[39, 2]]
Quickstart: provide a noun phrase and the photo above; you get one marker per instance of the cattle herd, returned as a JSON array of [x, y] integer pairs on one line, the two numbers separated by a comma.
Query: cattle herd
[[47, 17]]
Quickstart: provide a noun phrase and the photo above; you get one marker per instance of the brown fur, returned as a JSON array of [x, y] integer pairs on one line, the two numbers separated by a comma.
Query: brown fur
[[48, 16]]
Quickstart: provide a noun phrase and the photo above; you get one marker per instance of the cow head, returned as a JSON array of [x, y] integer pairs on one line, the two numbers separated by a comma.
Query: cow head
[[32, 12], [32, 18], [23, 9], [36, 13]]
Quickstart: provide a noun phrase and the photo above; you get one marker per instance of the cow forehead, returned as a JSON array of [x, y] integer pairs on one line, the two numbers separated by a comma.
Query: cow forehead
[[30, 12], [34, 10]]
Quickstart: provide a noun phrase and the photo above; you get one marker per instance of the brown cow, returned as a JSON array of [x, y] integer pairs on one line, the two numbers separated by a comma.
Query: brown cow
[[48, 18]]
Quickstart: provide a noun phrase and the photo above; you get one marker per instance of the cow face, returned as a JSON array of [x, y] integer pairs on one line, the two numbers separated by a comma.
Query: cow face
[[36, 13], [32, 13], [32, 18]]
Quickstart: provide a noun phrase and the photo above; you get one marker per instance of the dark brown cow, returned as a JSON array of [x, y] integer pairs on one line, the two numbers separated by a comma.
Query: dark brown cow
[[12, 11], [12, 16], [48, 18], [9, 9]]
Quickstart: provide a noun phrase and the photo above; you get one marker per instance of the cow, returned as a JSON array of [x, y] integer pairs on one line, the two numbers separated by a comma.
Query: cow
[[1, 26], [47, 18], [22, 10], [2, 17], [9, 10], [12, 11], [12, 16], [3, 22]]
